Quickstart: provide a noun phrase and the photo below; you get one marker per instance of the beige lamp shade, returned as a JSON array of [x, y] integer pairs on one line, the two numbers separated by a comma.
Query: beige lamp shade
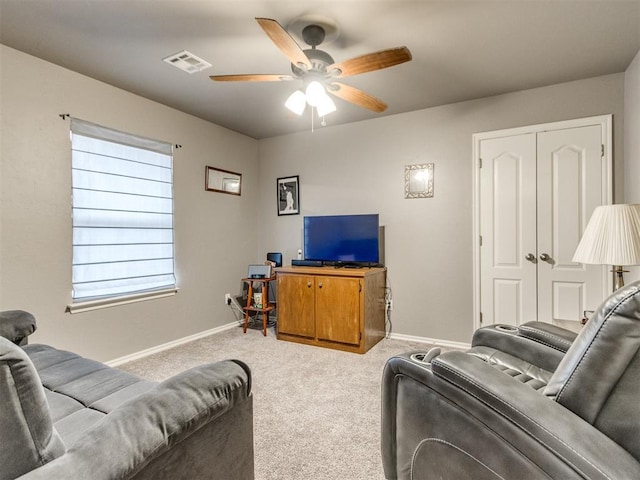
[[612, 236]]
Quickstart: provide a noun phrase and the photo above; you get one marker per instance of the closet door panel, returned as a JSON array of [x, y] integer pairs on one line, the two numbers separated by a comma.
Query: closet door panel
[[570, 186], [508, 211]]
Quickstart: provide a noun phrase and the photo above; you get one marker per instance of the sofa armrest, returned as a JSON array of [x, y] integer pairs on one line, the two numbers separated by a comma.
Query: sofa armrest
[[149, 426], [17, 325], [564, 434], [529, 342], [548, 334]]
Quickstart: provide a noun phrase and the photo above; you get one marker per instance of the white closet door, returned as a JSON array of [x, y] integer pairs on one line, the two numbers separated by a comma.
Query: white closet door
[[570, 187], [508, 229]]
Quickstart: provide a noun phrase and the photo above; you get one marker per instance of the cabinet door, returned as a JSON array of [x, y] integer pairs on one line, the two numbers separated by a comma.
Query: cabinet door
[[296, 305], [338, 309]]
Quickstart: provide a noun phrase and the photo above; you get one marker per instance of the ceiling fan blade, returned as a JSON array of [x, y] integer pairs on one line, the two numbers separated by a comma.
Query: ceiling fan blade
[[356, 96], [251, 77], [371, 61], [284, 42]]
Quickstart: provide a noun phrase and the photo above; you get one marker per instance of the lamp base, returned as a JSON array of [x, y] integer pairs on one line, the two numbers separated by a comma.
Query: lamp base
[[618, 278]]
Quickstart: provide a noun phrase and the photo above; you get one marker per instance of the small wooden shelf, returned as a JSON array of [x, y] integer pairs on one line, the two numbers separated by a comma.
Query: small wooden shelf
[[267, 306]]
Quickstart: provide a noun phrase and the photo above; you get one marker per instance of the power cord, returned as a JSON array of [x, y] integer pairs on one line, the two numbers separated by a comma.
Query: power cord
[[237, 310], [239, 313], [388, 304]]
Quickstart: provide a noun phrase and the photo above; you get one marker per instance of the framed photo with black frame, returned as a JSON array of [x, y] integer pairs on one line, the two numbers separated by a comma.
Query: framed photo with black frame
[[288, 195]]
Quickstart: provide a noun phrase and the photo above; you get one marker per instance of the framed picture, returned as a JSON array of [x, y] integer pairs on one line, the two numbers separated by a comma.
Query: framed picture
[[288, 196], [223, 181]]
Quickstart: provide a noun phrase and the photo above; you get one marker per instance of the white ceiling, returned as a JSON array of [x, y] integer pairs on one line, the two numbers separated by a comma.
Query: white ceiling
[[461, 50]]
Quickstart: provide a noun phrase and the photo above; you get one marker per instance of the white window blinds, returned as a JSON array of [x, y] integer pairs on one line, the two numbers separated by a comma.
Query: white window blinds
[[122, 213]]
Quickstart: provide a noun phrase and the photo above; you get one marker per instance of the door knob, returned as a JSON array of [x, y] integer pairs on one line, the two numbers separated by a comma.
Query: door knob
[[530, 257], [544, 257]]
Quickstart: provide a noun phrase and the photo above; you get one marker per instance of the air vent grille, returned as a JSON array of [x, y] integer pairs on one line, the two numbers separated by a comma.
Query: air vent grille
[[187, 62]]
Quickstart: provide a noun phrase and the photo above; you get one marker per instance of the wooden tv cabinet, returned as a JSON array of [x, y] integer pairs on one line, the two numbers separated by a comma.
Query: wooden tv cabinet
[[339, 308]]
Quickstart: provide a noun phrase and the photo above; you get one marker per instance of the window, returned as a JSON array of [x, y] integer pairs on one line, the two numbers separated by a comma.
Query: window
[[122, 213]]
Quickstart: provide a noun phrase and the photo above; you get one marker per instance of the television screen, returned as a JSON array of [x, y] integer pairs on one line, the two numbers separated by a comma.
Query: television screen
[[342, 238]]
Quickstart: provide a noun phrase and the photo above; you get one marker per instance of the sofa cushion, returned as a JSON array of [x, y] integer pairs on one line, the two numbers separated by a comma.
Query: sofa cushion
[[75, 425], [111, 402], [86, 381], [81, 391], [24, 416], [60, 405]]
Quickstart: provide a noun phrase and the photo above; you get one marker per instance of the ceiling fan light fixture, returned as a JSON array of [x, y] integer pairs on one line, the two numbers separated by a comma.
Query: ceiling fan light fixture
[[296, 102], [315, 93], [326, 106]]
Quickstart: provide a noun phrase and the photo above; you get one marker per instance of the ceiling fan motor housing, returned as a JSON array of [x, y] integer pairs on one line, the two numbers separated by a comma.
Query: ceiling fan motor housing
[[319, 59], [314, 35]]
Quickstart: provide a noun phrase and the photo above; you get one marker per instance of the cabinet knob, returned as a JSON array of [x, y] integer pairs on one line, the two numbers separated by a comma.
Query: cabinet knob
[[545, 257], [308, 284], [530, 257], [320, 285]]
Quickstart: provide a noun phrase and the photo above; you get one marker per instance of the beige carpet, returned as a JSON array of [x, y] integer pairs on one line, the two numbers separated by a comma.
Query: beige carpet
[[316, 410]]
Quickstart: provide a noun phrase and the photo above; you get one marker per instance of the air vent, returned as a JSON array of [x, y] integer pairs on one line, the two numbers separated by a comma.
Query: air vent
[[187, 62]]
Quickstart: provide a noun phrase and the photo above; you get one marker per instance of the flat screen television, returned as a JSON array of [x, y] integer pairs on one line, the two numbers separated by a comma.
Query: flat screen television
[[342, 239]]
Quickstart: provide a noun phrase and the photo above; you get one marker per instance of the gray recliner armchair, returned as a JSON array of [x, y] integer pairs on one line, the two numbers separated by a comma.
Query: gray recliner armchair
[[528, 403]]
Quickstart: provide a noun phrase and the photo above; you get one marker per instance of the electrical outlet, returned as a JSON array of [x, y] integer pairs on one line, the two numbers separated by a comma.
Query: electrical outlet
[[227, 299], [390, 304]]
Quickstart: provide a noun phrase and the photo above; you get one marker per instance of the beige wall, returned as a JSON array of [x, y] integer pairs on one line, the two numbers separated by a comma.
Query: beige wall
[[632, 131], [632, 142], [355, 168], [358, 168], [213, 232]]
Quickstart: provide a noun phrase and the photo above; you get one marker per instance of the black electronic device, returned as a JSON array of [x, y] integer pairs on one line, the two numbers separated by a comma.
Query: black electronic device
[[343, 239], [306, 263], [275, 257]]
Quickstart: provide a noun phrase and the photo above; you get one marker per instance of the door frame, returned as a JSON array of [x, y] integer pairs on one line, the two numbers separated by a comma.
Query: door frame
[[606, 124]]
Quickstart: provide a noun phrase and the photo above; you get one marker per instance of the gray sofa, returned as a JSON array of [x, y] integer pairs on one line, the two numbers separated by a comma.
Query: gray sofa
[[67, 417], [535, 402]]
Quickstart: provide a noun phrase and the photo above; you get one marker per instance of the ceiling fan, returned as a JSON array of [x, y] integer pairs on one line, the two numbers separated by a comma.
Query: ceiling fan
[[318, 70]]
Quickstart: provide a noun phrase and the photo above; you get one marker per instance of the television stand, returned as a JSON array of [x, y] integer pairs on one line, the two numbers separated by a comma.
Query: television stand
[[339, 308]]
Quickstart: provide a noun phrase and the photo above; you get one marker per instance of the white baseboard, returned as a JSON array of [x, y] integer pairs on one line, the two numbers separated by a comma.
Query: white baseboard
[[168, 345], [174, 343], [437, 341]]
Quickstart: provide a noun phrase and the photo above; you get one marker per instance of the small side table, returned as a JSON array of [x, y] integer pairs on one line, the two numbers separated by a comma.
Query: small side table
[[264, 308]]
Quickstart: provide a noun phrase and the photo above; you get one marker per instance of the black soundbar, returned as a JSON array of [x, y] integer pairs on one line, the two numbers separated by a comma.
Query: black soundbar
[[306, 263]]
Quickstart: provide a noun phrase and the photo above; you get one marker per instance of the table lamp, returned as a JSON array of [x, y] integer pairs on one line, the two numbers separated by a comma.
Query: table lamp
[[612, 237]]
